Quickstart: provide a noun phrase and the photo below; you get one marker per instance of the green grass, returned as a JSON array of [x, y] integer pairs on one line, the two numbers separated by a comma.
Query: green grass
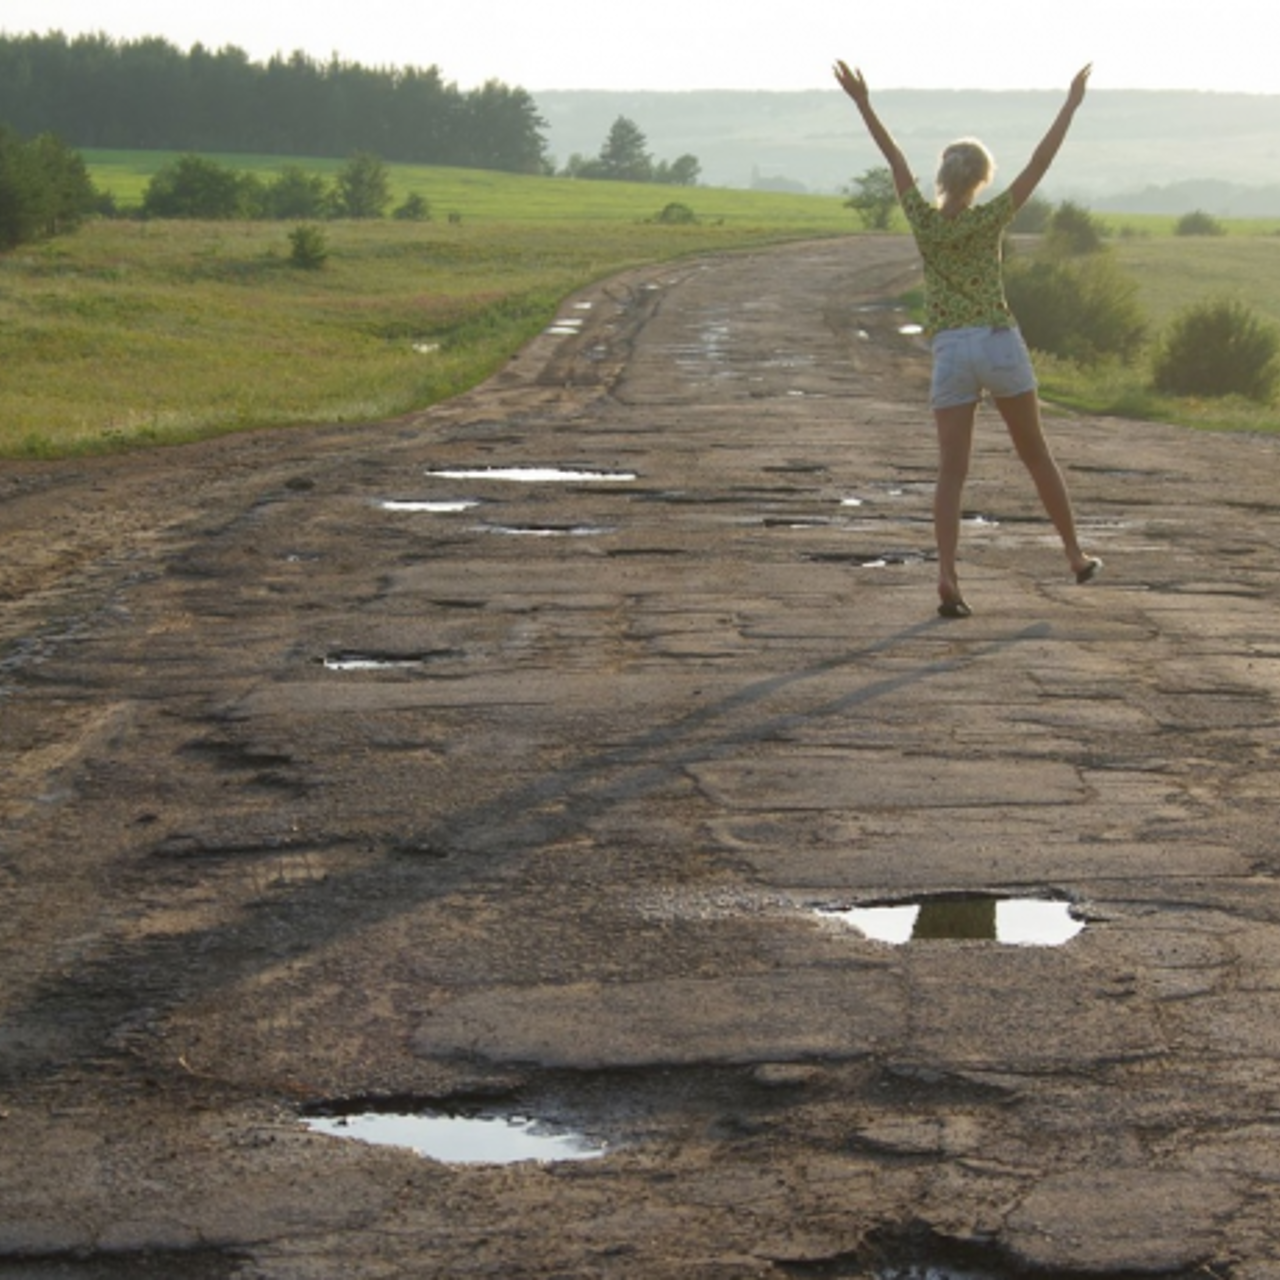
[[484, 196], [130, 333]]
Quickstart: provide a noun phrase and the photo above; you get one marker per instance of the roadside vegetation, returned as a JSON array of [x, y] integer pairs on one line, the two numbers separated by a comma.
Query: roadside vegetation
[[1175, 320]]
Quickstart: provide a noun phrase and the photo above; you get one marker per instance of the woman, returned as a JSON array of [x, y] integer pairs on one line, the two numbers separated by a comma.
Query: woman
[[976, 343]]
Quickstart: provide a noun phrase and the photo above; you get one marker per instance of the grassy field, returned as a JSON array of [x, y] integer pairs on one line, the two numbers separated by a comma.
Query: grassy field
[[130, 333], [484, 196]]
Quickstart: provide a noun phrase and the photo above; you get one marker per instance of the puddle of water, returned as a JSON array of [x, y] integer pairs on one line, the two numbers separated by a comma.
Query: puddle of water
[[441, 508], [532, 475], [548, 530], [868, 560], [354, 661], [462, 1139], [1013, 922]]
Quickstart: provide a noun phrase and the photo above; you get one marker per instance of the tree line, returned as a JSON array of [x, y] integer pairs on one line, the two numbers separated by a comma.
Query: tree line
[[148, 94]]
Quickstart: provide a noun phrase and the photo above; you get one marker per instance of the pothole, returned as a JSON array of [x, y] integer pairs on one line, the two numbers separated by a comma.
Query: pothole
[[1014, 922], [910, 1254], [868, 559], [462, 1137], [440, 507], [357, 660], [534, 475], [549, 530]]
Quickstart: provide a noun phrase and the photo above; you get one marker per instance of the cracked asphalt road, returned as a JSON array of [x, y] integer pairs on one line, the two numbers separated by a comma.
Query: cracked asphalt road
[[536, 804]]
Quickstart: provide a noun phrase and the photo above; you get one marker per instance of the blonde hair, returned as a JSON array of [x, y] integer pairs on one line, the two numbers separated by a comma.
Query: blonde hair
[[965, 167]]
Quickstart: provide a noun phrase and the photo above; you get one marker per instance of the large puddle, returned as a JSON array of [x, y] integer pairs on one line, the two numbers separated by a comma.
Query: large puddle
[[463, 1138], [1013, 922]]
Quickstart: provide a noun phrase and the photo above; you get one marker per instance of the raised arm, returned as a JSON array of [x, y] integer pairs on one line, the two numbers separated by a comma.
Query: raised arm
[[1029, 179], [853, 83]]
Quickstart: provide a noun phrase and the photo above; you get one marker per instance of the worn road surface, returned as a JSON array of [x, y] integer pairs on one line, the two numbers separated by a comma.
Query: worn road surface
[[317, 798]]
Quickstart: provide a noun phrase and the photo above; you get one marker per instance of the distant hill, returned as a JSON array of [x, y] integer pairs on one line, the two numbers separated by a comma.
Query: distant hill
[[1132, 151]]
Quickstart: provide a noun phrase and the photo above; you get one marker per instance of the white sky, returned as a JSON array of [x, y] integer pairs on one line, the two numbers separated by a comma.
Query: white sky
[[1226, 45]]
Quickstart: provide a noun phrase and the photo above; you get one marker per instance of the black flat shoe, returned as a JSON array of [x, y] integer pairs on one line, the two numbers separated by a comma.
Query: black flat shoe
[[954, 609]]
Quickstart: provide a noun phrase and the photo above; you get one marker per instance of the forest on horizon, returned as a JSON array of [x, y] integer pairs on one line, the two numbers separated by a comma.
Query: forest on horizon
[[95, 92], [1129, 150]]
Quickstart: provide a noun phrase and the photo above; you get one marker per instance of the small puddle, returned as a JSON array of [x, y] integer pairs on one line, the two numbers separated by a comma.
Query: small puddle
[[549, 530], [1013, 922], [443, 507], [533, 475], [867, 559], [353, 660], [462, 1138]]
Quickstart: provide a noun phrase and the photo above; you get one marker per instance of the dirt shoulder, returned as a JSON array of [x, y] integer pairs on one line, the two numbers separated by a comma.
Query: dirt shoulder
[[339, 771]]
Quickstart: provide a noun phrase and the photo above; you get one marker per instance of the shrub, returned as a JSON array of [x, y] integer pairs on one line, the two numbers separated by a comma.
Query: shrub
[[677, 214], [309, 249], [295, 193], [193, 187], [1199, 223], [1033, 218], [1081, 309], [1218, 348], [873, 197], [1072, 230], [363, 187], [414, 209], [44, 188]]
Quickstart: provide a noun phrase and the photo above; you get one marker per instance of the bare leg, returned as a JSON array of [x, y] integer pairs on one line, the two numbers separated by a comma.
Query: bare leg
[[1021, 415], [955, 443]]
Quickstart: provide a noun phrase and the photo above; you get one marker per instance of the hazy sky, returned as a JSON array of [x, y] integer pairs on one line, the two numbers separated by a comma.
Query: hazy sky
[[722, 44]]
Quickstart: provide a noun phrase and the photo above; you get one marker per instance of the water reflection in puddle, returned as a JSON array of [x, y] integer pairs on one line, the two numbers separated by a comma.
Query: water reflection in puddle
[[349, 660], [440, 508], [1014, 922], [548, 530], [463, 1139], [532, 475]]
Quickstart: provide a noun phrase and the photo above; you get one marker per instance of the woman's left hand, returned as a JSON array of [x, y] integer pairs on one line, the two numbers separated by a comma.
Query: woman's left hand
[[853, 83], [1075, 95]]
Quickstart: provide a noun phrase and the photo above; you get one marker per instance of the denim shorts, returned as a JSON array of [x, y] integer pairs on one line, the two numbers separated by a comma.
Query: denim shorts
[[967, 362]]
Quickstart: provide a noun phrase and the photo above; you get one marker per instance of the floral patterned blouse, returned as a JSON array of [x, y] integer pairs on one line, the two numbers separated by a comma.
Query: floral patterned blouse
[[963, 281]]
